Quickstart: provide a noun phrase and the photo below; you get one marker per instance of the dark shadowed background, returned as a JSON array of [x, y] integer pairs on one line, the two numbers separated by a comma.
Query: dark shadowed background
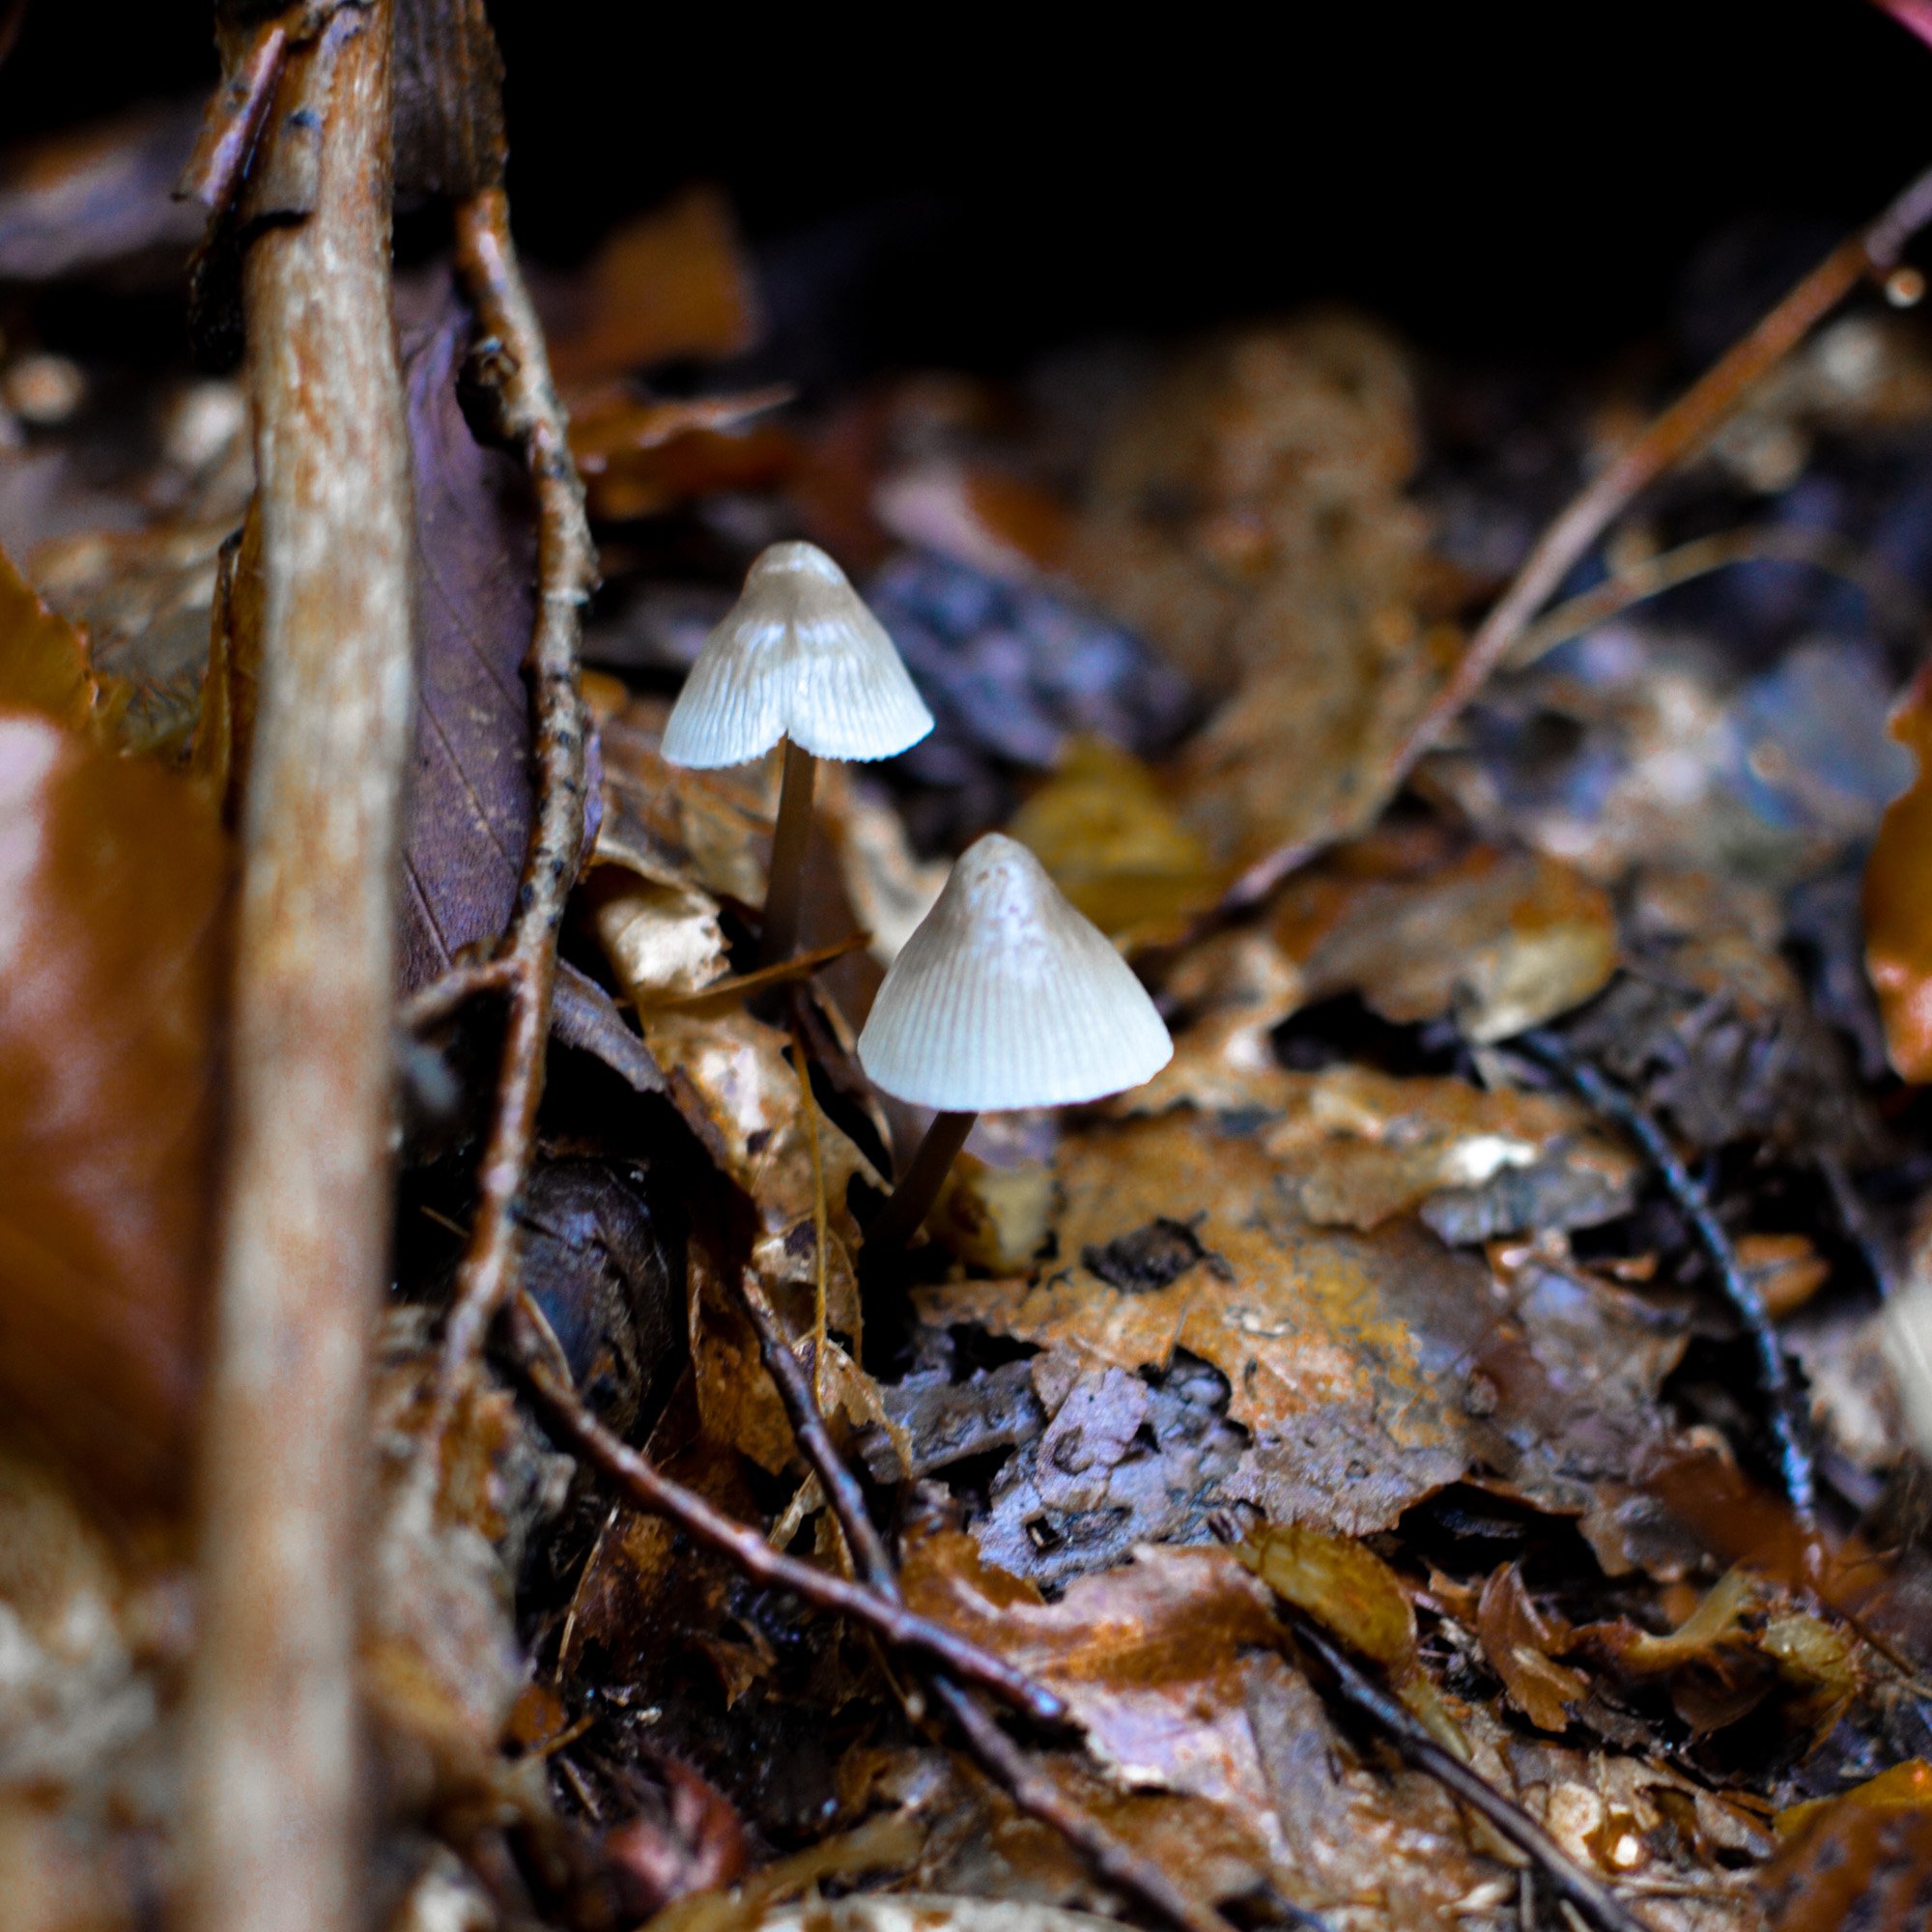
[[967, 185]]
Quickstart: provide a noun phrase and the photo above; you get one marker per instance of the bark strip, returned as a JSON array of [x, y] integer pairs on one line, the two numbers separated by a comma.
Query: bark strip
[[274, 1837]]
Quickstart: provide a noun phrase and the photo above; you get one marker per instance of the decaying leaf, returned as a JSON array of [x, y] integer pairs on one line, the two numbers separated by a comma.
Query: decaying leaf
[[1517, 1639], [679, 828], [1342, 1585], [1169, 1665], [1370, 1368], [469, 790], [1357, 1147], [113, 878]]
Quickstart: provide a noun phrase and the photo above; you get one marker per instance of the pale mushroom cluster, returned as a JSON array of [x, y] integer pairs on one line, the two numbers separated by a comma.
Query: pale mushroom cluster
[[1005, 996]]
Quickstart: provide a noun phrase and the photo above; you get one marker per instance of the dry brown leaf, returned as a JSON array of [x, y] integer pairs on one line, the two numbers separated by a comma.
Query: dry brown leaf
[[113, 877], [1357, 1146], [1168, 1664], [679, 828], [672, 283], [1370, 1368], [1517, 1639], [660, 939], [1502, 941], [44, 665], [1248, 516], [1148, 1657], [1351, 1425], [1103, 829], [1863, 1858], [1342, 1584]]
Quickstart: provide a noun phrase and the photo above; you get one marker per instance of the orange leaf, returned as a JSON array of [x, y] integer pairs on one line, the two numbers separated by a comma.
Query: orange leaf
[[44, 662], [112, 877]]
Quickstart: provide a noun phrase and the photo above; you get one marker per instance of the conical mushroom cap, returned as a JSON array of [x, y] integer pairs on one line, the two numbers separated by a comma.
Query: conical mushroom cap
[[1004, 996], [798, 657]]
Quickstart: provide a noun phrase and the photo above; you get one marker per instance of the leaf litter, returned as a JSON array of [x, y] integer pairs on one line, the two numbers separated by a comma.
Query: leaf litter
[[1352, 1283]]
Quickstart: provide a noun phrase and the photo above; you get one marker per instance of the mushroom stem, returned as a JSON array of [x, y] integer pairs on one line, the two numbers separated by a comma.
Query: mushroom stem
[[911, 1200], [784, 894]]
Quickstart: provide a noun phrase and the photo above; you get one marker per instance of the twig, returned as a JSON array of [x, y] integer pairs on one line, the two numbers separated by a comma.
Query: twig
[[1416, 1747], [1781, 1396], [456, 988], [1680, 429], [275, 1784], [1113, 1862], [566, 573], [1822, 549], [650, 1488]]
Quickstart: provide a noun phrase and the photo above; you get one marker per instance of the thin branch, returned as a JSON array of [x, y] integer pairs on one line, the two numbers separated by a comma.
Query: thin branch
[[1032, 1792], [1415, 1746], [443, 997], [275, 1784], [1780, 1394], [649, 1489], [566, 574], [1683, 428], [1821, 550]]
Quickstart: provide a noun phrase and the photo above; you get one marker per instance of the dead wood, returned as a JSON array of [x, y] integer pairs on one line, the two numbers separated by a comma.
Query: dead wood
[[274, 1830]]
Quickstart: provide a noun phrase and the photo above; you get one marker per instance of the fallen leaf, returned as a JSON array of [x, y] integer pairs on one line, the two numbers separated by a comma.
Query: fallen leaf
[[680, 828], [671, 283], [113, 875], [1359, 1146], [1344, 1585], [475, 564], [1148, 1658], [1167, 1663], [1863, 1858], [144, 599], [45, 665], [1517, 1641], [1103, 829], [1502, 941], [1370, 1368]]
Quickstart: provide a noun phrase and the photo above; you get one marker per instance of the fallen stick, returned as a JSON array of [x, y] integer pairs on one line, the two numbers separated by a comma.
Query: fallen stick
[[273, 1826]]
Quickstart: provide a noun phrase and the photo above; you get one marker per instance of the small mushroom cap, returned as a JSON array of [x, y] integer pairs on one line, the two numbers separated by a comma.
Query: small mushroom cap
[[1004, 996], [798, 657]]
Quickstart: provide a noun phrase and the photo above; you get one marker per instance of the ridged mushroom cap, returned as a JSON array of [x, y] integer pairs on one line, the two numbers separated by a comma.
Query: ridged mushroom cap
[[1004, 996], [799, 656]]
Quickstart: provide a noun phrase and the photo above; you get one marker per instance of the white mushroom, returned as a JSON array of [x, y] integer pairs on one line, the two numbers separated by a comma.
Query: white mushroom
[[1004, 996], [798, 658]]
